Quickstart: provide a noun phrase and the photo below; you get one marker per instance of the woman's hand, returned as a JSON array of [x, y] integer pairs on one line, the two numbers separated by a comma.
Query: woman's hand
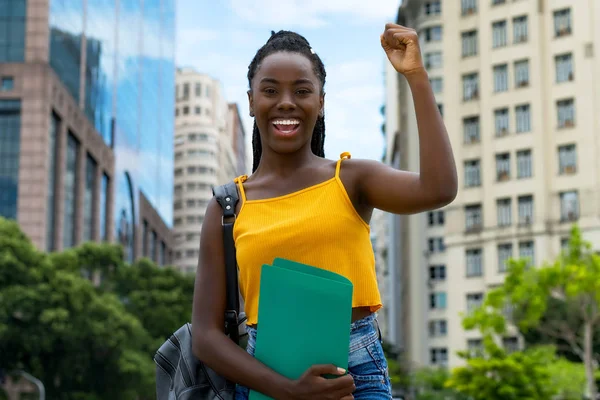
[[312, 385], [401, 46]]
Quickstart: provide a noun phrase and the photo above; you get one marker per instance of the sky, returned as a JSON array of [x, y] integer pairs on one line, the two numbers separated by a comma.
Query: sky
[[220, 38]]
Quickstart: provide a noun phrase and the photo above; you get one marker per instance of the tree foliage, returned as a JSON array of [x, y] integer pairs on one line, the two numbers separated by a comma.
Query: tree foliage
[[559, 303], [83, 321]]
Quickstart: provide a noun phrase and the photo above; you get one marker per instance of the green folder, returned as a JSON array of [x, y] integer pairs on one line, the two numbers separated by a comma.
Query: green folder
[[304, 318]]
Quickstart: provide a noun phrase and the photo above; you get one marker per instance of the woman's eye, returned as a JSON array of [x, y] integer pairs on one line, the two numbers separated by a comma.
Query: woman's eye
[[269, 91], [303, 91]]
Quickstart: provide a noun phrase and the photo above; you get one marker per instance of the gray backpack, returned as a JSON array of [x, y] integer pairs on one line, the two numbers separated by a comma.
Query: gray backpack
[[179, 374]]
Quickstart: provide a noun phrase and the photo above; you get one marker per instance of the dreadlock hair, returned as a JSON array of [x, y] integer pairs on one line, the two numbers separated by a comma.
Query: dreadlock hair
[[289, 42]]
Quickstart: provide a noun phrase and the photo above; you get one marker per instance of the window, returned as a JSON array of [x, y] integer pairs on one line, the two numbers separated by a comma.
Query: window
[[497, 2], [520, 29], [207, 91], [437, 273], [474, 301], [503, 167], [501, 78], [567, 159], [433, 60], [436, 245], [473, 217], [10, 145], [569, 206], [51, 197], [565, 110], [438, 328], [469, 43], [438, 356], [435, 218], [437, 85], [505, 253], [441, 109], [562, 22], [433, 8], [501, 121], [523, 116], [7, 84], [565, 243], [197, 110], [472, 173], [89, 211], [470, 86], [504, 209], [564, 67], [437, 301], [433, 34], [198, 89], [475, 347], [186, 110], [521, 73], [104, 207], [526, 251], [70, 192], [510, 344], [499, 34], [524, 164], [468, 7], [525, 204], [186, 91], [471, 129], [12, 30], [474, 262]]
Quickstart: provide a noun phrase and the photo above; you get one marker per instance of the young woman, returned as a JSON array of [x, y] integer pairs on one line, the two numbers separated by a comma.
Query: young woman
[[300, 206]]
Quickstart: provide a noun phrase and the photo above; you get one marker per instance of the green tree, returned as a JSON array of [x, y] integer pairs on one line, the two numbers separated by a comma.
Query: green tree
[[430, 384], [570, 286], [55, 324]]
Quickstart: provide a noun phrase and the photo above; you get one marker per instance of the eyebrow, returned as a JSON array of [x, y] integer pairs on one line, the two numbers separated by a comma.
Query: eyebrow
[[297, 82]]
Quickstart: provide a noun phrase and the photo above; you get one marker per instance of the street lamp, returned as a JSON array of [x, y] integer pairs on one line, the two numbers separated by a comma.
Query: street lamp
[[36, 382]]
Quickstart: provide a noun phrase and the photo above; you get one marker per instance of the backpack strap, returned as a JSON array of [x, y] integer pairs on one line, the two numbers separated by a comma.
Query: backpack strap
[[227, 197]]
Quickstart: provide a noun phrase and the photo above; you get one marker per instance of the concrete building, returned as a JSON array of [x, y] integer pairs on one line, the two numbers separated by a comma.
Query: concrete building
[[208, 146], [518, 84], [86, 100]]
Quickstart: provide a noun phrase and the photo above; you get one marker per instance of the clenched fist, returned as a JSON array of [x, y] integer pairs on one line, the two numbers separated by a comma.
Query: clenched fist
[[401, 44]]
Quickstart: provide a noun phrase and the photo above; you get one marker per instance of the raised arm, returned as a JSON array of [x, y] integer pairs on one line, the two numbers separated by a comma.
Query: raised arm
[[436, 184], [215, 349]]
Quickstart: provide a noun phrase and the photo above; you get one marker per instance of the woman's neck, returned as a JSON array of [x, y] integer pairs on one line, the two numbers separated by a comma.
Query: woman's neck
[[284, 165]]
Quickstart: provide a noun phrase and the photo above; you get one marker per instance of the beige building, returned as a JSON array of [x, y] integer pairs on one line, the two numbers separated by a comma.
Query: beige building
[[518, 84], [207, 133]]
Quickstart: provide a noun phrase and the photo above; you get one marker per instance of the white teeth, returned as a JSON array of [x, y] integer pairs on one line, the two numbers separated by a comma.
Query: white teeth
[[286, 122]]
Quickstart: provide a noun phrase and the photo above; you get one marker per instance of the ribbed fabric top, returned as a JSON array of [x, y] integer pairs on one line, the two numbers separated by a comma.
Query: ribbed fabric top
[[318, 226]]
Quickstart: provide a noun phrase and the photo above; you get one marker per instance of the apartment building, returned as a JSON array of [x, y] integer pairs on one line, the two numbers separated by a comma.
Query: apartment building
[[207, 150], [518, 85]]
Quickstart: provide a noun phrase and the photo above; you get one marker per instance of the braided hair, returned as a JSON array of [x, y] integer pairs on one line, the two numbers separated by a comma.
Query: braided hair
[[294, 43]]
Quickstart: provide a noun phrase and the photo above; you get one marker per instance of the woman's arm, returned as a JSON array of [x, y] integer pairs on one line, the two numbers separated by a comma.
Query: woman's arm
[[436, 183], [215, 349]]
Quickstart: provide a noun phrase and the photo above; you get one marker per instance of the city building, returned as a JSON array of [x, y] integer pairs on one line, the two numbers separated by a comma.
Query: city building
[[209, 150], [86, 100], [517, 83]]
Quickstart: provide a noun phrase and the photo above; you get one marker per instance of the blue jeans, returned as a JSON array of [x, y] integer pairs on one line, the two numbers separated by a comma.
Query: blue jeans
[[366, 361]]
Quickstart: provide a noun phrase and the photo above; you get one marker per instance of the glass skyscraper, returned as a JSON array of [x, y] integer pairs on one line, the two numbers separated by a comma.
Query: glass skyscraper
[[107, 131]]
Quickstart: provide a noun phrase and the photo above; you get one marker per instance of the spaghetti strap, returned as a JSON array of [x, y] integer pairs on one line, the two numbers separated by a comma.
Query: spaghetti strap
[[345, 155], [239, 180]]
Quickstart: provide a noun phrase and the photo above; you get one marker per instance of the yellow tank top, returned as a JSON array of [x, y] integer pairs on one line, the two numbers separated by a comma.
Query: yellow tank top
[[317, 226]]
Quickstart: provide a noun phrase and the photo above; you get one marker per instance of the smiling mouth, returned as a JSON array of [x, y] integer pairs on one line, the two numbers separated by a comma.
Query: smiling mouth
[[286, 126]]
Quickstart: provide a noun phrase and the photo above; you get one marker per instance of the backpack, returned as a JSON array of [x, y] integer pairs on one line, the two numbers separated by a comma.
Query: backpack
[[179, 374]]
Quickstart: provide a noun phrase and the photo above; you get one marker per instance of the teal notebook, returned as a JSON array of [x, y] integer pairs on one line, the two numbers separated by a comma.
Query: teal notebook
[[304, 318]]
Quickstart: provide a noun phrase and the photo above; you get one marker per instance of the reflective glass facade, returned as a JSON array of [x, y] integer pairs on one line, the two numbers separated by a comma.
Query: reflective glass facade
[[12, 30], [129, 92], [10, 144], [88, 199]]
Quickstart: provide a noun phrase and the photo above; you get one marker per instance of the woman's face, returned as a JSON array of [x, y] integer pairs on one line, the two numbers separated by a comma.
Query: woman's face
[[286, 100]]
